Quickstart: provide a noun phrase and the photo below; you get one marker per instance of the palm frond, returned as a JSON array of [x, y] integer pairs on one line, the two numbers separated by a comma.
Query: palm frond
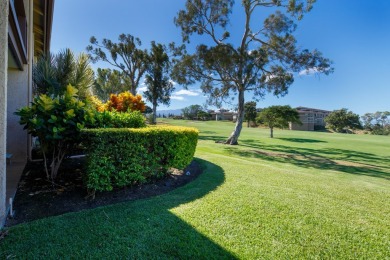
[[44, 74], [83, 75], [65, 66]]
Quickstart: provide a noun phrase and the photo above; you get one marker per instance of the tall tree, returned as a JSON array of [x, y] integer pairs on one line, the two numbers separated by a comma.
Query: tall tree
[[53, 73], [382, 118], [125, 55], [339, 120], [108, 82], [377, 123], [278, 116], [262, 60], [159, 86], [191, 112], [250, 111], [367, 119]]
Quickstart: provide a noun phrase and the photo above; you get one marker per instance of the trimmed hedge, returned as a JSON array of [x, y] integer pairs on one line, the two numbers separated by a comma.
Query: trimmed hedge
[[113, 119], [120, 157]]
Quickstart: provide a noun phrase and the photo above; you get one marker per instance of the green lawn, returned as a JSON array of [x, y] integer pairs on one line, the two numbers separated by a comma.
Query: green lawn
[[299, 195]]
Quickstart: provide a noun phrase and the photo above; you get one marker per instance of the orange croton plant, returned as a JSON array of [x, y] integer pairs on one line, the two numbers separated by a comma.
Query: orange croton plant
[[121, 102]]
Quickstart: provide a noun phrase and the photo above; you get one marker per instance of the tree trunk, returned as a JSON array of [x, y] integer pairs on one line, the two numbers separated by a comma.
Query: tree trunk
[[233, 139], [272, 132], [154, 113], [133, 88], [133, 91], [248, 123]]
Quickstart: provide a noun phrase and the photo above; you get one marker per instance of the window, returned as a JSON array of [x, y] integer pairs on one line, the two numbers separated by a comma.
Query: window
[[18, 32]]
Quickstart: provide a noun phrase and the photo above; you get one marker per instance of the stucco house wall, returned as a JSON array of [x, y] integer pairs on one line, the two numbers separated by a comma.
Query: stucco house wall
[[19, 89], [3, 104], [310, 118], [223, 116], [17, 97]]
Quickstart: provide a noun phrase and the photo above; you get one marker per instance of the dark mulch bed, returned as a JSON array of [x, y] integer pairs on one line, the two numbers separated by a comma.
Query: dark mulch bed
[[38, 198]]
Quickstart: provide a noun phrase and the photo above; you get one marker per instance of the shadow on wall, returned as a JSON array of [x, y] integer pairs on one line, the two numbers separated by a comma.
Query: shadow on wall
[[142, 229]]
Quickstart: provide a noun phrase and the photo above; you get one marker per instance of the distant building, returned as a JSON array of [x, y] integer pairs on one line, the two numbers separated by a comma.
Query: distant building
[[223, 114], [311, 118]]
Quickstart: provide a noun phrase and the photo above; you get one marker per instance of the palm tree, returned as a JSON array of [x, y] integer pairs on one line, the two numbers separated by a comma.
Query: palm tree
[[52, 73]]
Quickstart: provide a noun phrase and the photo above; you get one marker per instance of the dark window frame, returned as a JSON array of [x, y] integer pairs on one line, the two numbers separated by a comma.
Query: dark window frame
[[17, 32]]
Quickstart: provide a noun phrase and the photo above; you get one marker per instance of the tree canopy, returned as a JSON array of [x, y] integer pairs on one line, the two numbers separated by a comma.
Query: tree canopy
[[192, 111], [250, 112], [159, 86], [278, 116], [108, 82], [126, 55], [342, 119], [378, 122], [264, 59], [378, 118]]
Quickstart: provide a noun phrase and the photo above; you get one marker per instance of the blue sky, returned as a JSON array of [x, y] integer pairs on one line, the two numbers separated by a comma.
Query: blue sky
[[355, 34]]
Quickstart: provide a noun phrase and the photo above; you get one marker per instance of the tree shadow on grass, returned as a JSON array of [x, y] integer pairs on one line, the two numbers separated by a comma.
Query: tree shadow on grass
[[340, 154], [347, 161], [214, 138], [208, 132], [142, 229], [301, 140]]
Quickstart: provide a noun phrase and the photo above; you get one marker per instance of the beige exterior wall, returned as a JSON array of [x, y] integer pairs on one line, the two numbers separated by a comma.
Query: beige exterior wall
[[3, 103], [311, 119], [303, 127], [223, 116], [19, 95], [16, 94]]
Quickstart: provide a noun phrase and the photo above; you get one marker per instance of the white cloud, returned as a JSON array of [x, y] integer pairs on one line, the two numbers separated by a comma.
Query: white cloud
[[310, 71], [173, 83], [142, 89], [181, 94], [269, 77], [185, 92], [177, 97]]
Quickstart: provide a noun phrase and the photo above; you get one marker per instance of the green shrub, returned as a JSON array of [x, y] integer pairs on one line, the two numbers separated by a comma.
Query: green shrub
[[121, 157], [57, 122], [113, 119], [380, 130]]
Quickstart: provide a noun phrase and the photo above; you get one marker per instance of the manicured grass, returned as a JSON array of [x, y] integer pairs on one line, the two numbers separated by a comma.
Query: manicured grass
[[299, 195]]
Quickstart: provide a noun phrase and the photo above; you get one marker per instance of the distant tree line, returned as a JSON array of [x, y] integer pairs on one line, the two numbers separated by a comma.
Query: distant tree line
[[342, 120], [377, 123], [169, 115], [195, 112]]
